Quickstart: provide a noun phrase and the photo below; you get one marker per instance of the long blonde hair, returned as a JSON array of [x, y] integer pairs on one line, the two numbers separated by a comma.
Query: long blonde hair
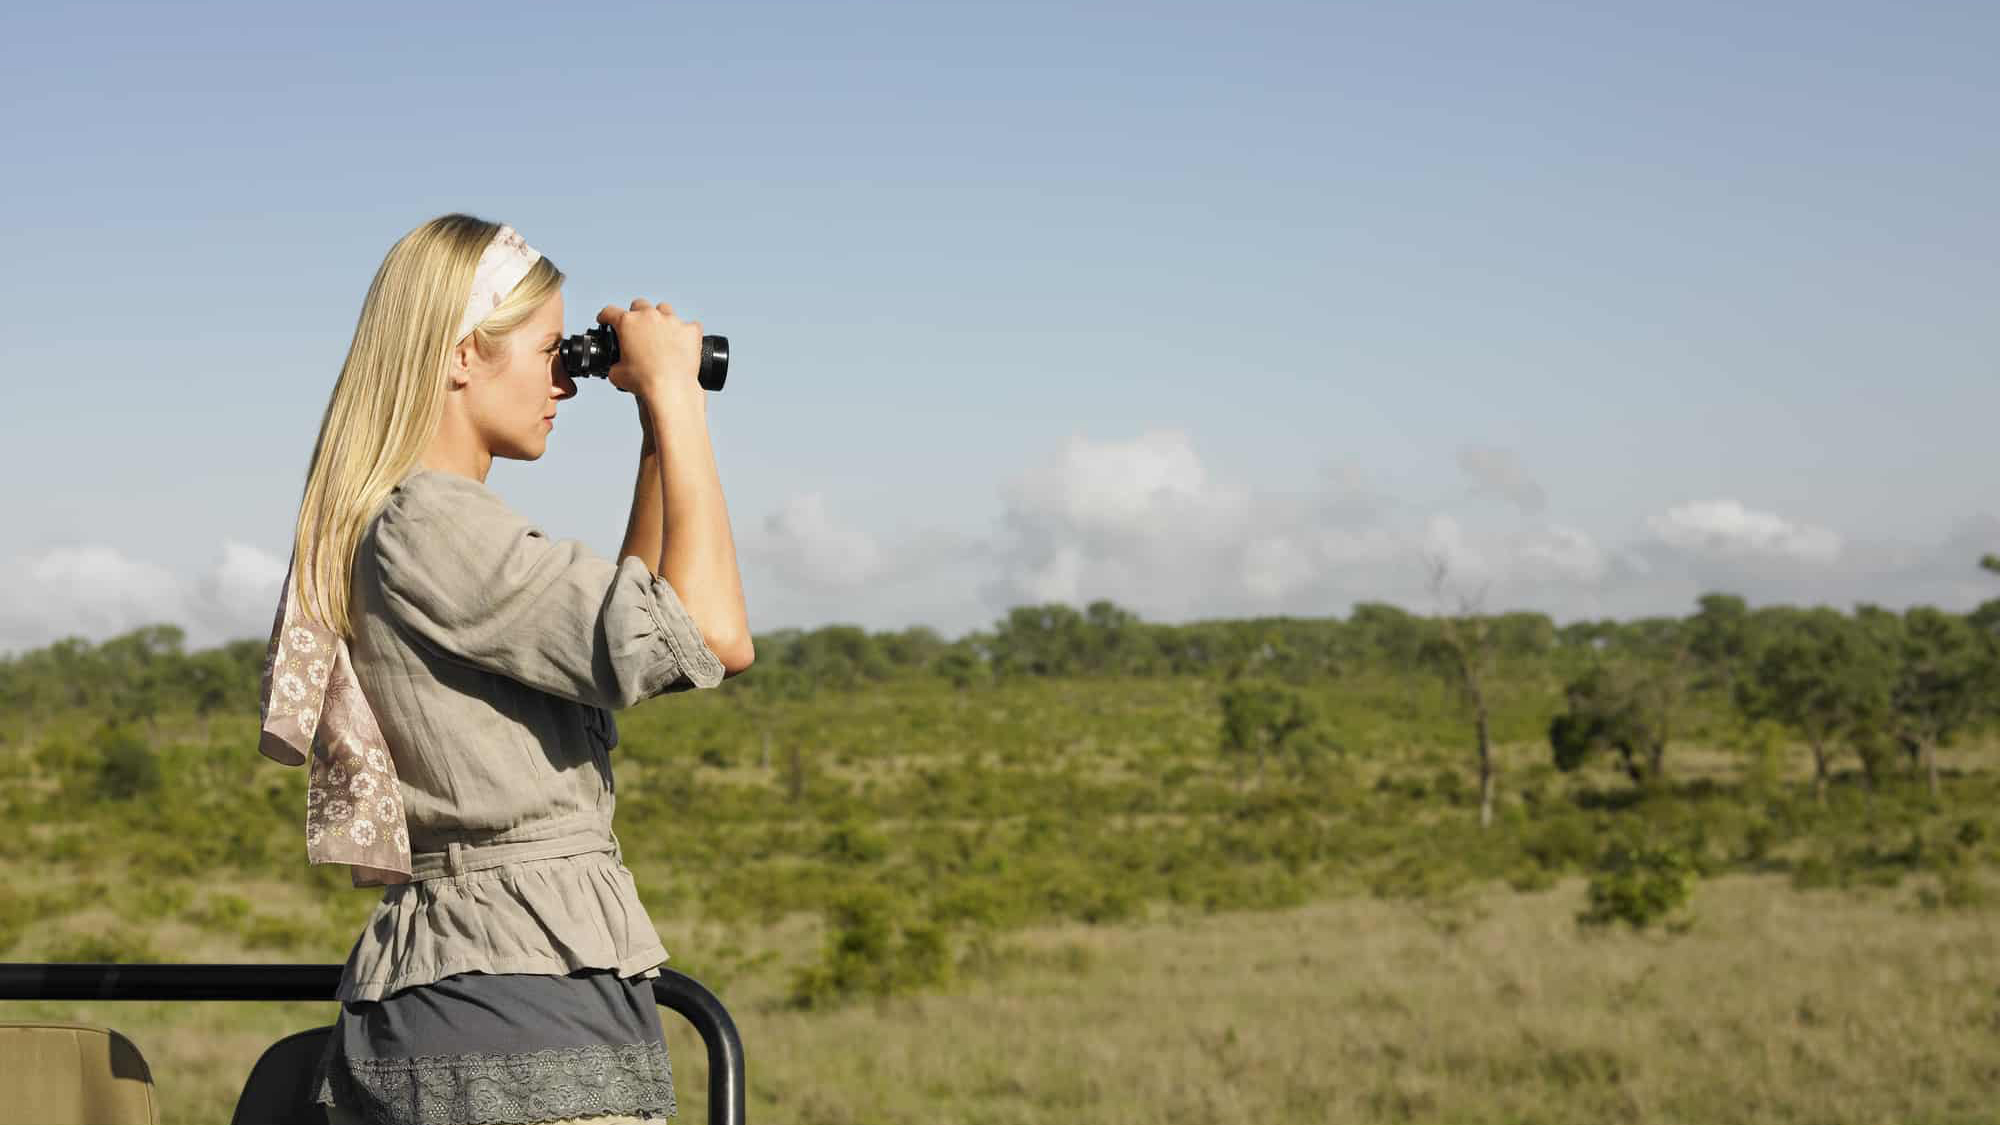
[[390, 396]]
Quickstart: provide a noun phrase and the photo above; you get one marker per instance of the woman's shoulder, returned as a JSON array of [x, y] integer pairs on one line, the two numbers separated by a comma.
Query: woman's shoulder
[[436, 496], [423, 483], [441, 521]]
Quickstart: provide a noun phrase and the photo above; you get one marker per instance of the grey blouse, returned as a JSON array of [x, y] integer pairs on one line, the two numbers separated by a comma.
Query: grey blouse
[[492, 657]]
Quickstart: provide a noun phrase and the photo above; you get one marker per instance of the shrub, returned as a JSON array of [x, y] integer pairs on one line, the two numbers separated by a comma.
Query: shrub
[[872, 949], [851, 842], [1640, 885], [1958, 889], [126, 767]]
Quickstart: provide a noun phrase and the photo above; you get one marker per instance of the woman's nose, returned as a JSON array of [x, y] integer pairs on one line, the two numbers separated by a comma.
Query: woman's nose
[[564, 385]]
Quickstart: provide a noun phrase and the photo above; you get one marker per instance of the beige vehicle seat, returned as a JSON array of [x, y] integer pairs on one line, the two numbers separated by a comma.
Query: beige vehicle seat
[[55, 1073]]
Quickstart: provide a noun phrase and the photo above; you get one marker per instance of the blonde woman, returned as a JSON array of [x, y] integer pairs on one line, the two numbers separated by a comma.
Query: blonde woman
[[509, 980]]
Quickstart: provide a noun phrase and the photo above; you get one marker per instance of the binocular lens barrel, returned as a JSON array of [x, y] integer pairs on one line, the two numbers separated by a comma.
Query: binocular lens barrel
[[594, 352]]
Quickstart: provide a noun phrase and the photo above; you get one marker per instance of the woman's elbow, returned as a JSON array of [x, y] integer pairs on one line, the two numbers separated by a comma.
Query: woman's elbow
[[736, 654]]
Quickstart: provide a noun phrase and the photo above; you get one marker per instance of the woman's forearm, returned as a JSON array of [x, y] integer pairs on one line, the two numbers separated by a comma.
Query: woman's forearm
[[643, 528], [697, 554]]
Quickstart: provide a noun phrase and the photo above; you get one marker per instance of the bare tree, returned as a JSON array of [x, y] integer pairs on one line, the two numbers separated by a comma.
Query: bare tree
[[1465, 653]]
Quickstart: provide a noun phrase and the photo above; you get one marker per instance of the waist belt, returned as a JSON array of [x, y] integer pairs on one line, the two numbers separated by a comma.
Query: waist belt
[[459, 857]]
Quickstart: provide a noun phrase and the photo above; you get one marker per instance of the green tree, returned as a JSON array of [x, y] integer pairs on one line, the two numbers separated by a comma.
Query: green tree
[[1943, 672], [1624, 705], [1042, 640], [1719, 639], [1820, 674], [1260, 720]]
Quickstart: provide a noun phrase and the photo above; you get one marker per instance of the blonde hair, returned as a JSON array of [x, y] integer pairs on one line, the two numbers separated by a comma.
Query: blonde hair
[[390, 396]]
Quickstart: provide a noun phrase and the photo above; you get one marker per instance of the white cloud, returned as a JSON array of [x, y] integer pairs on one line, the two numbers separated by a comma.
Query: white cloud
[[1276, 565], [1138, 521], [1445, 542], [807, 545], [1563, 553], [1726, 527], [98, 592], [1136, 488], [1146, 522]]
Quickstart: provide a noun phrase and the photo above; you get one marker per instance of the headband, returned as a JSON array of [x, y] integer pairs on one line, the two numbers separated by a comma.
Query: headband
[[312, 707], [501, 267]]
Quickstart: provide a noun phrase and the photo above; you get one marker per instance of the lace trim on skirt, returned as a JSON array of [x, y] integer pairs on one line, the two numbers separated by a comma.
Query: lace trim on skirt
[[511, 1089]]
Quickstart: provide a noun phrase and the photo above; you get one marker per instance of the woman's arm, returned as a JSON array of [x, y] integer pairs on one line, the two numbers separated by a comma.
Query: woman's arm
[[679, 524], [642, 527]]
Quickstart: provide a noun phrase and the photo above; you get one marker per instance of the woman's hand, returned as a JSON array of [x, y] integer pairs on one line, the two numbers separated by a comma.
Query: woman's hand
[[659, 355]]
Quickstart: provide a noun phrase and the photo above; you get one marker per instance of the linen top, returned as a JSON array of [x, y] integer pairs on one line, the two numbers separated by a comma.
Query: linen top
[[493, 657]]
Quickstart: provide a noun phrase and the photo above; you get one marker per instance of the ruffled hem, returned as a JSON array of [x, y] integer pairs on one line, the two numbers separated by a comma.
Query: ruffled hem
[[633, 1079], [538, 916]]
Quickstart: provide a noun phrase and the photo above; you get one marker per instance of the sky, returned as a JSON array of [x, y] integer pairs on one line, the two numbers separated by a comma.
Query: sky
[[1214, 310]]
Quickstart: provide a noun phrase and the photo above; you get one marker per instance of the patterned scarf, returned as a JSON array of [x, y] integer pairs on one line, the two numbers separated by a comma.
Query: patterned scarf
[[313, 707]]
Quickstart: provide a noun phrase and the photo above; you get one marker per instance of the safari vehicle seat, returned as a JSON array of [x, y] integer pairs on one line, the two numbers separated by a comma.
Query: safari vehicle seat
[[73, 1074]]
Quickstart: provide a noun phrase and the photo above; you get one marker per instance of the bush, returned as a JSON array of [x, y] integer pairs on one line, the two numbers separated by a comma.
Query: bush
[[1958, 889], [1639, 886], [126, 767], [851, 842], [872, 949]]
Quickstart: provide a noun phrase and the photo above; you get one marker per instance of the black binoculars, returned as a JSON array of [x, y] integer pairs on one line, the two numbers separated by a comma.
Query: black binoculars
[[593, 352]]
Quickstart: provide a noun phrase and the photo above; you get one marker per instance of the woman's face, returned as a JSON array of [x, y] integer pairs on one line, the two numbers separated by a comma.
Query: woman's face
[[512, 398]]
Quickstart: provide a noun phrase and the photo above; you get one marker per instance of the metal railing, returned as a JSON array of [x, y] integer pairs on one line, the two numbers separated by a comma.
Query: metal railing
[[676, 990]]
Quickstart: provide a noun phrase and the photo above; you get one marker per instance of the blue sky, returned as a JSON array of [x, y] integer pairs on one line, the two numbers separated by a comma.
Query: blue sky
[[1214, 310]]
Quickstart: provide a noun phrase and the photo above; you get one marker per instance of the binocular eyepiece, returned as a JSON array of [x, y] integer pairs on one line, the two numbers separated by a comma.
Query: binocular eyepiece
[[593, 352]]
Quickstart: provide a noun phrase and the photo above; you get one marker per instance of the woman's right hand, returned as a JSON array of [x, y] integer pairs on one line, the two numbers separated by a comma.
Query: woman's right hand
[[659, 354]]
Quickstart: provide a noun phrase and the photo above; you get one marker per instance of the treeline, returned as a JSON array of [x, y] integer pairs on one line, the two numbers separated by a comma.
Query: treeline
[[1872, 685]]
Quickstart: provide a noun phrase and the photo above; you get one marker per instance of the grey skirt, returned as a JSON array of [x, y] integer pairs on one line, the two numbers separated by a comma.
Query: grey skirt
[[493, 1048]]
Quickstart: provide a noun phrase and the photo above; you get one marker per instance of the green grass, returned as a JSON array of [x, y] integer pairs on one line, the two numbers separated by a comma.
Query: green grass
[[860, 859]]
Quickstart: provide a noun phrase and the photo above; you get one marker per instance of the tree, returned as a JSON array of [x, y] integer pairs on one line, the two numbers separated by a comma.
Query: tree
[[1818, 673], [1942, 671], [1389, 634], [1260, 720], [1625, 705], [1043, 640], [1463, 650], [1719, 638]]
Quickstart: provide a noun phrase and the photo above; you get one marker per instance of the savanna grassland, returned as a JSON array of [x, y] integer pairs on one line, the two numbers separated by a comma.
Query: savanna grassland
[[1090, 870]]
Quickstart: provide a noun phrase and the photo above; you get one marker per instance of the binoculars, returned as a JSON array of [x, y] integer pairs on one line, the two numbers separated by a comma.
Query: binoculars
[[593, 352]]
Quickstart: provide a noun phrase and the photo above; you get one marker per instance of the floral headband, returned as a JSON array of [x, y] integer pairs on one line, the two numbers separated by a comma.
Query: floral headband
[[502, 265], [312, 705]]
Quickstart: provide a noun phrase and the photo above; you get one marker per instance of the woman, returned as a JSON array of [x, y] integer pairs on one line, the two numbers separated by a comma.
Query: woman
[[509, 979]]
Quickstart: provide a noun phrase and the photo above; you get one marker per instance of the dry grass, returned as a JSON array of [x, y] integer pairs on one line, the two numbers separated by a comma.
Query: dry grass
[[1778, 1006]]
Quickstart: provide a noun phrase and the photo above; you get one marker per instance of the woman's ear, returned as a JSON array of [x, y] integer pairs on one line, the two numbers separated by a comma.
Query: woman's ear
[[458, 366]]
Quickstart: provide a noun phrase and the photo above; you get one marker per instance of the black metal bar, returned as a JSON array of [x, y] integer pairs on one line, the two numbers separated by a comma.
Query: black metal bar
[[84, 981], [704, 1010], [81, 981]]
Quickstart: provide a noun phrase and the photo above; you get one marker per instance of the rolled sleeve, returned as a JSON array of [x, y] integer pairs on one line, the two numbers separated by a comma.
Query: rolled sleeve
[[475, 581]]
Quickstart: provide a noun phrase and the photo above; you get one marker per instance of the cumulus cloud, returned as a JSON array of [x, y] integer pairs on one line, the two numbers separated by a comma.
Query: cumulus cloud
[[807, 545], [1139, 521], [1499, 473], [1563, 554], [98, 592], [1146, 521], [1104, 490], [1726, 527]]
